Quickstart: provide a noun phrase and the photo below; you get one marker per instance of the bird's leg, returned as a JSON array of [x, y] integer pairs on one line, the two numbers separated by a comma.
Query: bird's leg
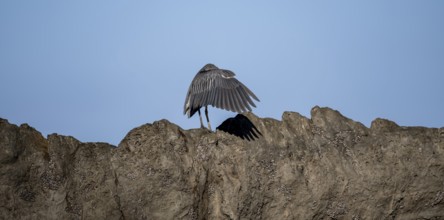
[[208, 120], [200, 117]]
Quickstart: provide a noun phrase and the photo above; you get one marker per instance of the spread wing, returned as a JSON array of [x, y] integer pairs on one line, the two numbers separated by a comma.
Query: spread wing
[[220, 89]]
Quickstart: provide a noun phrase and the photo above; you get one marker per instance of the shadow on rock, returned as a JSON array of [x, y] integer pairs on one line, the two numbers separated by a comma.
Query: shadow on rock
[[240, 126]]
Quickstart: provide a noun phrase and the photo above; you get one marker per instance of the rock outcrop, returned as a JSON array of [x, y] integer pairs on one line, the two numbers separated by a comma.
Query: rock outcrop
[[326, 167]]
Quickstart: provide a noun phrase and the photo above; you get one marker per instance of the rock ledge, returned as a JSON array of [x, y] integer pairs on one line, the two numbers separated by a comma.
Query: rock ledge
[[326, 167]]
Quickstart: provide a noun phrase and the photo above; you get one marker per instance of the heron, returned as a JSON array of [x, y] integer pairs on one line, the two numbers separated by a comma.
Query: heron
[[218, 88]]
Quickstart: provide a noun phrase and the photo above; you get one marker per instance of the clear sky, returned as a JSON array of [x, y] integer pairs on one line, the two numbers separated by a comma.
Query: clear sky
[[96, 69]]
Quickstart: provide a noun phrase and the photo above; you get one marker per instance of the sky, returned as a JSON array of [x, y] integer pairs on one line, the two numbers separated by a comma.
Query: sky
[[97, 69]]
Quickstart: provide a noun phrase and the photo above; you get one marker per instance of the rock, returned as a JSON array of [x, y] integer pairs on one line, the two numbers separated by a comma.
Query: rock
[[384, 125], [326, 167]]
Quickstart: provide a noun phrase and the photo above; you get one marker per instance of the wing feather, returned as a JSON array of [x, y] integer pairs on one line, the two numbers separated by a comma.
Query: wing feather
[[225, 100], [219, 88], [196, 100], [205, 96], [244, 98], [241, 97], [245, 93], [249, 92], [230, 107], [186, 106], [216, 98], [233, 101], [222, 98], [211, 92], [237, 102], [228, 97], [241, 100]]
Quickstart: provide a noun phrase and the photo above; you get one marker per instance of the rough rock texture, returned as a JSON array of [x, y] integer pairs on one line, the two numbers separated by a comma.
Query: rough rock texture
[[326, 167]]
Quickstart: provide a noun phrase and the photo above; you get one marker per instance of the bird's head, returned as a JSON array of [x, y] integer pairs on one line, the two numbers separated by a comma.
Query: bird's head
[[208, 67]]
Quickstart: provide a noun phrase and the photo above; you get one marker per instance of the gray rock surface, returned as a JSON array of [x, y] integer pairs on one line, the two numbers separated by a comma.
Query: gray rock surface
[[326, 167]]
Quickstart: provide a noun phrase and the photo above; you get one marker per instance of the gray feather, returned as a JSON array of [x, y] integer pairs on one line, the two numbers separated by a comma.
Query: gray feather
[[219, 88]]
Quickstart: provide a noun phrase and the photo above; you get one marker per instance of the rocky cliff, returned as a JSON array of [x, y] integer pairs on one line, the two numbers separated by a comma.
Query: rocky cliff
[[326, 167]]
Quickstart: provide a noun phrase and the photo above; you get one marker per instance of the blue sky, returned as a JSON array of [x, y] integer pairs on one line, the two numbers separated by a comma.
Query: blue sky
[[96, 69]]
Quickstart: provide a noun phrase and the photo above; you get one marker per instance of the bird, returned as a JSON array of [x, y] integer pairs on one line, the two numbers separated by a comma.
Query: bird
[[218, 88]]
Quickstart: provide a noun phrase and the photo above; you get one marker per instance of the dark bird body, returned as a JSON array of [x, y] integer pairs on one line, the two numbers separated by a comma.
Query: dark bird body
[[218, 88]]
